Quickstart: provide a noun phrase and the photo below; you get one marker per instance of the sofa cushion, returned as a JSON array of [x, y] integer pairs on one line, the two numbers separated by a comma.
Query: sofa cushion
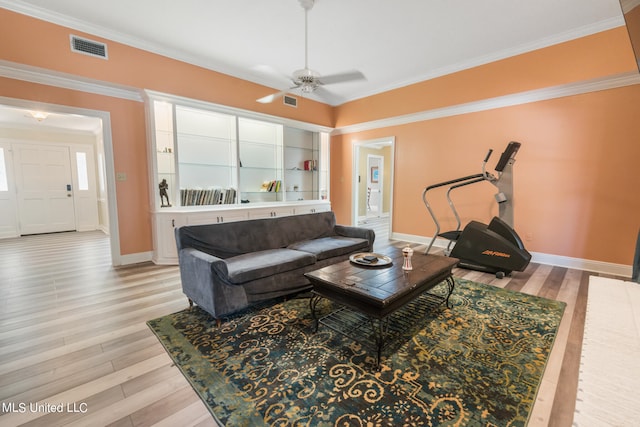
[[329, 247], [256, 265], [229, 239]]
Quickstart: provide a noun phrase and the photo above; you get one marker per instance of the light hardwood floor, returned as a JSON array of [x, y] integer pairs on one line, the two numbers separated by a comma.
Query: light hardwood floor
[[73, 332]]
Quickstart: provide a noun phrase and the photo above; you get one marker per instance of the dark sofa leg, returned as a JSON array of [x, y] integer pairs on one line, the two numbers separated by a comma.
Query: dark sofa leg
[[190, 303]]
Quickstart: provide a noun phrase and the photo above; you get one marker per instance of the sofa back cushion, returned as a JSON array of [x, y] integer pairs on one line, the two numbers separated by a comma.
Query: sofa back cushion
[[228, 239]]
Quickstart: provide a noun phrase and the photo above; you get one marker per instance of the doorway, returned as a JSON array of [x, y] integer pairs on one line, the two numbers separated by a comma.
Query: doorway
[[375, 187], [373, 165], [18, 120]]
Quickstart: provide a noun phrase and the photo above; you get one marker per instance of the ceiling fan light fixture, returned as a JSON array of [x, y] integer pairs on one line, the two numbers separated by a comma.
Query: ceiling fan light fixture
[[308, 87], [39, 115]]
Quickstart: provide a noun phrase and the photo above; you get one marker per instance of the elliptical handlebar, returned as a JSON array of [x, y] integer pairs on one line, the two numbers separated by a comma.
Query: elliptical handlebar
[[507, 155], [469, 179], [488, 175]]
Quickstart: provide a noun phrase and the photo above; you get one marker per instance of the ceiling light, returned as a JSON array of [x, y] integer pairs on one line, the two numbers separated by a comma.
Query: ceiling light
[[39, 115]]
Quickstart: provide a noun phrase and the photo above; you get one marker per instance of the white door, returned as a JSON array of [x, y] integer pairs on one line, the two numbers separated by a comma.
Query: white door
[[45, 197], [375, 167]]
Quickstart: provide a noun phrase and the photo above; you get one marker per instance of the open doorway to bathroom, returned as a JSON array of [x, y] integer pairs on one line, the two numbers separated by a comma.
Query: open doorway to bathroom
[[373, 185]]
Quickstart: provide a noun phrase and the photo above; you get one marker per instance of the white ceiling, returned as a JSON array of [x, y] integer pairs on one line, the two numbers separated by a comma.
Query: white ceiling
[[24, 118], [394, 43]]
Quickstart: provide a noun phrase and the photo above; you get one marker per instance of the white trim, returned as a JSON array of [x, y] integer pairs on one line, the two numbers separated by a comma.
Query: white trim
[[582, 264], [119, 37], [206, 105], [355, 154], [27, 73], [628, 5], [539, 258], [573, 34], [136, 258], [571, 89], [114, 234]]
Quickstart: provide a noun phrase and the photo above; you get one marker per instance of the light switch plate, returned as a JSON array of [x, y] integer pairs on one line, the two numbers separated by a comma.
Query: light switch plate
[[121, 176]]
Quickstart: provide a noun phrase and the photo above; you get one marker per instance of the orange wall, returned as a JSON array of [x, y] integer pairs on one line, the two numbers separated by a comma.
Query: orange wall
[[575, 182], [129, 147], [26, 40], [32, 42], [582, 59], [576, 175]]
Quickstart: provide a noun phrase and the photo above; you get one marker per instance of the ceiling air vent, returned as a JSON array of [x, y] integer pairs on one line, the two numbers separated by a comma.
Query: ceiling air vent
[[88, 47], [290, 101]]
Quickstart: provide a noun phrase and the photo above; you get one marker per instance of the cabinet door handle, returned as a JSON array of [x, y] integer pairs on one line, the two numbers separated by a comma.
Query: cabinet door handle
[[173, 223]]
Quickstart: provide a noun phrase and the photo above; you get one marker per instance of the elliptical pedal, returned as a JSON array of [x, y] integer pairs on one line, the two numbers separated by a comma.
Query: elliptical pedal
[[451, 235]]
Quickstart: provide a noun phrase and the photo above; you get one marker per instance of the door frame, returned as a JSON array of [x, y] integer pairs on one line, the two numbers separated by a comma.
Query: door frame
[[391, 140], [105, 116]]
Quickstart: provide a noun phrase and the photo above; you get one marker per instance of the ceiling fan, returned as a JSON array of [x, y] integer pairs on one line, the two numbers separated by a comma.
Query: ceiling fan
[[306, 80]]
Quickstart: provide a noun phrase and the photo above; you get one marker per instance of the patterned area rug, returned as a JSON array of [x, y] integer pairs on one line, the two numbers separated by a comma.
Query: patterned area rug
[[477, 364]]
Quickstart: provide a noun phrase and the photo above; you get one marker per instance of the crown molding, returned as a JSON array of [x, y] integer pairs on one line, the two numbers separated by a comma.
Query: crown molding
[[576, 33], [118, 37], [628, 5], [43, 76], [76, 24], [571, 89], [225, 109]]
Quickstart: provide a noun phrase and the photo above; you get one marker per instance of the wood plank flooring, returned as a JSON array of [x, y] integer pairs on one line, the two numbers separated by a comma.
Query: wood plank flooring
[[73, 332]]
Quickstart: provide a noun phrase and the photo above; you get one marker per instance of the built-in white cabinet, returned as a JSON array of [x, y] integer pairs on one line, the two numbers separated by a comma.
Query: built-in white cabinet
[[166, 220], [213, 164], [205, 155], [271, 212]]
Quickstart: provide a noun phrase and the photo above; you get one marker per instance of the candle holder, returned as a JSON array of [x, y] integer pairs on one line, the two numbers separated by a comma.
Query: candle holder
[[407, 253]]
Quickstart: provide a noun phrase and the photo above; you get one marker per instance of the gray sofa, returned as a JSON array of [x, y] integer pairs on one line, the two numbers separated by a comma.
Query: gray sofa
[[226, 267]]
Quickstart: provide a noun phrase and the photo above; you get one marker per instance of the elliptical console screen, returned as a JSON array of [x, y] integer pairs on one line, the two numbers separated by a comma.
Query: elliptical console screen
[[508, 154]]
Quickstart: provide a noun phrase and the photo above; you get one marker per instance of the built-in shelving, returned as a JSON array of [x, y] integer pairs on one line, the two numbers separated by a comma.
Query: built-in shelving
[[217, 164]]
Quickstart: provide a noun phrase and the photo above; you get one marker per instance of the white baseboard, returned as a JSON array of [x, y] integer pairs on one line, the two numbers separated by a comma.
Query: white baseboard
[[582, 264], [539, 258], [136, 258]]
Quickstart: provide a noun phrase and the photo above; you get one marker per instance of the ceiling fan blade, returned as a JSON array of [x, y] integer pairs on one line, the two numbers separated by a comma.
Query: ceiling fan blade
[[341, 77], [270, 98]]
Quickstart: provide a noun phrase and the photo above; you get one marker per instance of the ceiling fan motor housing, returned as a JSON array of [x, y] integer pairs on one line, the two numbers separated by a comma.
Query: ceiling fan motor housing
[[306, 79], [307, 4]]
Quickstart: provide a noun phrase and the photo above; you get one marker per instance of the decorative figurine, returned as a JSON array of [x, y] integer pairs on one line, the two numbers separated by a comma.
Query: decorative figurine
[[163, 193], [407, 253]]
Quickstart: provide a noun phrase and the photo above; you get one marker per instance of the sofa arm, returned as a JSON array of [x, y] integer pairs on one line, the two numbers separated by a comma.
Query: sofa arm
[[204, 281], [194, 259], [359, 232]]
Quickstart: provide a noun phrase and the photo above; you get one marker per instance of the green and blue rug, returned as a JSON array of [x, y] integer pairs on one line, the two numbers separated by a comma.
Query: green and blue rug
[[477, 364]]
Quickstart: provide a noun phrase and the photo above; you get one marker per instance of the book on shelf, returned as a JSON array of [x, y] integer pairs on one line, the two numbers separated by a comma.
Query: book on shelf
[[271, 186], [310, 165], [211, 196]]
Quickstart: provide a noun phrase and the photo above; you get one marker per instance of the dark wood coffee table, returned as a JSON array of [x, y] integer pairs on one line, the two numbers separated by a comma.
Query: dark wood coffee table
[[369, 296]]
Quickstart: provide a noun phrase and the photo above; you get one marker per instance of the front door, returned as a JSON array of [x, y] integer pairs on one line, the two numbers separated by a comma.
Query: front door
[[45, 197]]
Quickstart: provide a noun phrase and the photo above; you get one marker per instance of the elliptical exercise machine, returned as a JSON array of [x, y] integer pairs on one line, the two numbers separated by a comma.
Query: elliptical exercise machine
[[494, 248]]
